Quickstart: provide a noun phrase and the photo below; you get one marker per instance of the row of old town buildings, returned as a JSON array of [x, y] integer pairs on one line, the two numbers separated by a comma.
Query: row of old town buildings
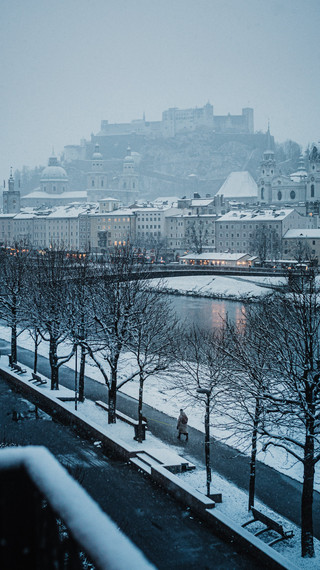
[[282, 208]]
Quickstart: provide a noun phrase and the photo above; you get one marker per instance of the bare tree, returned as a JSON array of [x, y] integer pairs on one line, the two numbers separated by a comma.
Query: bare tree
[[302, 252], [152, 333], [196, 235], [52, 311], [290, 329], [114, 303], [14, 262], [247, 384], [81, 323], [202, 376], [265, 243]]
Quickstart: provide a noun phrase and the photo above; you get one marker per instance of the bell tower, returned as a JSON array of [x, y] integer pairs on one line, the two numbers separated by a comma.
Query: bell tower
[[267, 172], [11, 198]]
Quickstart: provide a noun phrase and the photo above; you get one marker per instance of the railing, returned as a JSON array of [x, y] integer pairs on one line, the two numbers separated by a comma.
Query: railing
[[47, 521]]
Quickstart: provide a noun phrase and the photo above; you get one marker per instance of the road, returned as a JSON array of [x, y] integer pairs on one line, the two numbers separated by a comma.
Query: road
[[280, 492]]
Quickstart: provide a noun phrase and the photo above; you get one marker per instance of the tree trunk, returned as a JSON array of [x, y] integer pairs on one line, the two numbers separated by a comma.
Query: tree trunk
[[53, 359], [140, 435], [81, 374], [35, 358], [307, 546], [112, 398], [14, 342], [252, 479]]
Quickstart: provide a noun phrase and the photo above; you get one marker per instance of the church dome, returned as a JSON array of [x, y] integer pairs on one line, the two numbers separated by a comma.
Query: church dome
[[53, 171]]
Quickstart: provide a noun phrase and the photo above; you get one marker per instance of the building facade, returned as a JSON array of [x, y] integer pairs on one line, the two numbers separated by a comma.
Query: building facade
[[236, 230]]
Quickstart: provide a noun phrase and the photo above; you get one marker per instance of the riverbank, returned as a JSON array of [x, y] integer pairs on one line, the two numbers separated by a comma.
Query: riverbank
[[245, 290]]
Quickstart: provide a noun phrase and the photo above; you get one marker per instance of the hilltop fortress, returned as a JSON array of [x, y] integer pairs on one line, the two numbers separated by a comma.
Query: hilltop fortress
[[174, 122]]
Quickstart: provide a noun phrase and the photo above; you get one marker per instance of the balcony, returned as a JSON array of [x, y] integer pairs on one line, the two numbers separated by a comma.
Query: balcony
[[47, 521]]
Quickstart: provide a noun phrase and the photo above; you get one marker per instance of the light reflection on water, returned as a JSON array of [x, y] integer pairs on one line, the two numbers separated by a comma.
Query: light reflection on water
[[207, 313]]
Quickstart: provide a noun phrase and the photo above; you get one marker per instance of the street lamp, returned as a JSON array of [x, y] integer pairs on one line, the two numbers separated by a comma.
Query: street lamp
[[207, 392]]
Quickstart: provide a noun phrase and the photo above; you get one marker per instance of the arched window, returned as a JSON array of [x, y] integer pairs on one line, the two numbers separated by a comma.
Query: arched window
[[92, 183], [279, 195], [312, 190], [101, 183], [262, 193], [292, 194]]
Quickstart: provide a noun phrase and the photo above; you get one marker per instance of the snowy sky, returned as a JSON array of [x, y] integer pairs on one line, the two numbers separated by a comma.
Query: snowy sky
[[65, 65]]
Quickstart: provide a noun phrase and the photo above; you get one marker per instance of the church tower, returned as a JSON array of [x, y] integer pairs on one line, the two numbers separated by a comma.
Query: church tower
[[129, 181], [97, 178], [11, 198], [267, 172], [313, 181]]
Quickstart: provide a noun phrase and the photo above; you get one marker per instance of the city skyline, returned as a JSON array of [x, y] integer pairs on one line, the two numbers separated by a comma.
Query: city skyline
[[67, 66]]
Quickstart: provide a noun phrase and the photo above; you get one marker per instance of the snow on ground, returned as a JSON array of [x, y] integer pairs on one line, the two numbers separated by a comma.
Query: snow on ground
[[161, 394], [157, 394], [232, 287]]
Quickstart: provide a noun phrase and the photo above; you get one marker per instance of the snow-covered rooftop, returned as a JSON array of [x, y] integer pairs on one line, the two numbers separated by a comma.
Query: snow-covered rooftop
[[166, 200], [37, 194], [201, 202], [215, 256], [303, 234], [239, 185], [248, 215], [70, 211]]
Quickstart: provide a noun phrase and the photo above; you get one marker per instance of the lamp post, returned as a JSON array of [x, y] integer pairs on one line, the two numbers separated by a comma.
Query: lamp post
[[207, 392]]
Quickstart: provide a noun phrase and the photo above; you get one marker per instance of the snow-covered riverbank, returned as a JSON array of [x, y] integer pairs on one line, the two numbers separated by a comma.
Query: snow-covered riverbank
[[232, 288]]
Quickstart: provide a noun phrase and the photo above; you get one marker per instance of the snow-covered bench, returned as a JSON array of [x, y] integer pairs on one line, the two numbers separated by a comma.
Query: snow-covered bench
[[119, 415], [270, 525], [17, 368], [37, 379]]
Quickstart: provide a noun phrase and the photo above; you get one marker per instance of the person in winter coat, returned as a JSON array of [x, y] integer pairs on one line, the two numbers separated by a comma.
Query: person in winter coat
[[182, 424]]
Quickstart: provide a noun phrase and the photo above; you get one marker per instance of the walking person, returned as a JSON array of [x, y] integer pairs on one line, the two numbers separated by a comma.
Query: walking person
[[182, 424]]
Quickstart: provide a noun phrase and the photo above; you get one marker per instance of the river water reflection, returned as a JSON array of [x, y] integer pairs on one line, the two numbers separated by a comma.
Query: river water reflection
[[206, 313]]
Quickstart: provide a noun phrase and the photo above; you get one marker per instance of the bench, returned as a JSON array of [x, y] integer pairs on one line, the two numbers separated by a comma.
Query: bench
[[270, 525], [119, 415], [17, 368], [37, 379], [125, 418]]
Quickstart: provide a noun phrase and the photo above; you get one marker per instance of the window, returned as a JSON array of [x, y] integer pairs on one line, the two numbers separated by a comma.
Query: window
[[279, 195], [292, 194], [312, 190], [262, 193]]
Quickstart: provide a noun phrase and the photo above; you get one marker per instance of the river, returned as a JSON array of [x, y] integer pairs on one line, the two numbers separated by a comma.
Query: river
[[206, 313]]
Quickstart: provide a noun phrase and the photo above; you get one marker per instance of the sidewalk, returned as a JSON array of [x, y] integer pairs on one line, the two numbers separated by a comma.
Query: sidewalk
[[280, 492]]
